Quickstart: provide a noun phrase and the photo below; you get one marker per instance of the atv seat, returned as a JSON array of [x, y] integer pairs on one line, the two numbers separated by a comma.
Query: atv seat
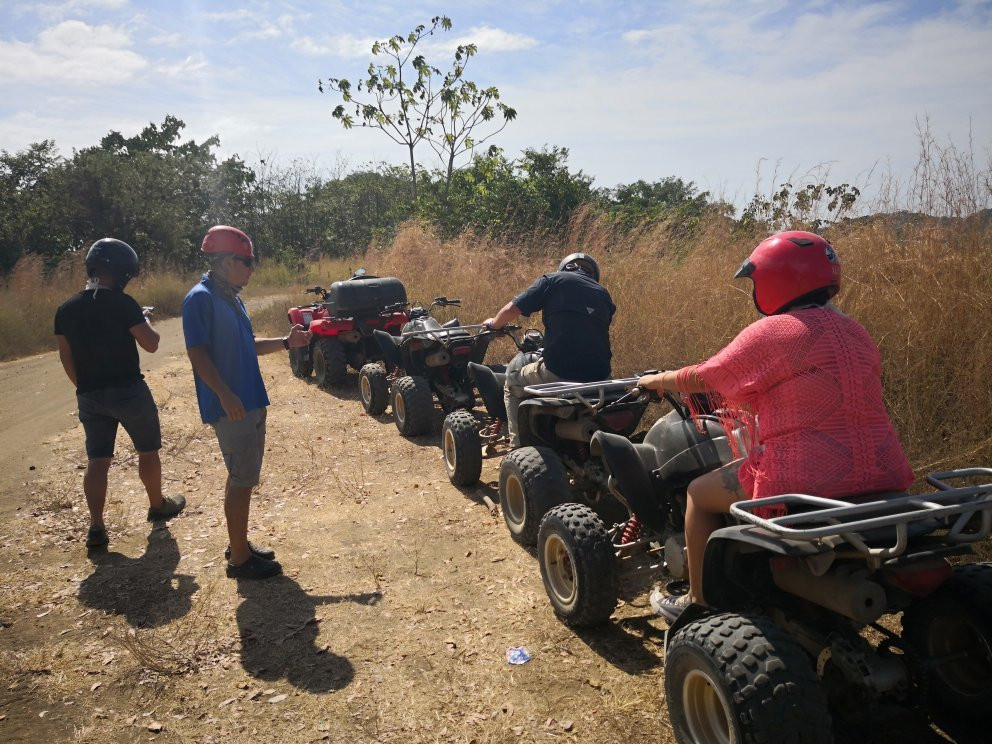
[[430, 328], [490, 379], [390, 346]]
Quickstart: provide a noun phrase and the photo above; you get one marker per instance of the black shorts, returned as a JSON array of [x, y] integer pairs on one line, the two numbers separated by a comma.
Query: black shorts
[[100, 411]]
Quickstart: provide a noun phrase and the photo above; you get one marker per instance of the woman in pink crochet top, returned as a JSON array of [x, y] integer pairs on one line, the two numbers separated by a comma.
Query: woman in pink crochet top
[[812, 378]]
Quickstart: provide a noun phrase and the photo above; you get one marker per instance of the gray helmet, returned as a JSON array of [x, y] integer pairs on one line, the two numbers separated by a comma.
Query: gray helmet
[[116, 256], [580, 262]]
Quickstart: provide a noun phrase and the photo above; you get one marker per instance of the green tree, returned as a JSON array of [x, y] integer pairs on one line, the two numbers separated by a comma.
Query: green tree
[[536, 191], [411, 101], [33, 209]]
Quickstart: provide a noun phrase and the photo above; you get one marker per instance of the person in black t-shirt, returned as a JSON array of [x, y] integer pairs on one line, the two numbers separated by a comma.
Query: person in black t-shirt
[[97, 330], [577, 311]]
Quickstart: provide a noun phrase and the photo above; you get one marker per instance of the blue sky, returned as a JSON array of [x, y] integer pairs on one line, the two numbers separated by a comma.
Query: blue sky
[[729, 94]]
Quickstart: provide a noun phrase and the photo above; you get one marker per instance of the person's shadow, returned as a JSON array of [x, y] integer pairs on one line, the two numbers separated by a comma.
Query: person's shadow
[[146, 591], [279, 627]]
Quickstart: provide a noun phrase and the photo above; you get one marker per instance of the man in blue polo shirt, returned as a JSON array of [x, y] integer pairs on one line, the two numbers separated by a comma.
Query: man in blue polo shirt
[[224, 353], [577, 311]]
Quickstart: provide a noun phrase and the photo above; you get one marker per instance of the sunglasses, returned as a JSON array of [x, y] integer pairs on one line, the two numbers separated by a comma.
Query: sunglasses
[[249, 262]]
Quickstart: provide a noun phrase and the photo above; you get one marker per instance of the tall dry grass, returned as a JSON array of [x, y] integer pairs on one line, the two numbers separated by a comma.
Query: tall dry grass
[[922, 288], [31, 293]]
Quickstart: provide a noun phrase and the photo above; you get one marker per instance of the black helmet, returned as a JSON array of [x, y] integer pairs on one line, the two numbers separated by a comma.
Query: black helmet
[[580, 262], [116, 256]]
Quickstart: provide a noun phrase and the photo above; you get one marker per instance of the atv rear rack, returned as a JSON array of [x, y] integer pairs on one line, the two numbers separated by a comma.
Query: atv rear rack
[[442, 331], [831, 522], [579, 390]]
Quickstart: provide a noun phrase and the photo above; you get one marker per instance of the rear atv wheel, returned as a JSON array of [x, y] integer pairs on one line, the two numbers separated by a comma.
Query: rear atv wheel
[[462, 448], [329, 363], [532, 480], [578, 565], [373, 385], [951, 630], [731, 678], [301, 362], [413, 405]]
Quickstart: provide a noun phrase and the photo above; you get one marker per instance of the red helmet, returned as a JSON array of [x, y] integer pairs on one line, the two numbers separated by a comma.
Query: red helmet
[[224, 239], [788, 266]]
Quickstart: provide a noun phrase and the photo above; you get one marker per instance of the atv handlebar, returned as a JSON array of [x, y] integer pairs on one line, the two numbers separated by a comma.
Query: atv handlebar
[[444, 302], [317, 290]]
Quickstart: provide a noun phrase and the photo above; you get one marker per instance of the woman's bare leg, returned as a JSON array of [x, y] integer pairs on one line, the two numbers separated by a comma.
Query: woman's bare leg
[[709, 496]]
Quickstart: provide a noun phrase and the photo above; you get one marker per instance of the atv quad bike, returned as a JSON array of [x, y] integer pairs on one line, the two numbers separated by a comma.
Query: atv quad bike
[[342, 323], [799, 629], [585, 560], [425, 360], [555, 463], [803, 587], [465, 432]]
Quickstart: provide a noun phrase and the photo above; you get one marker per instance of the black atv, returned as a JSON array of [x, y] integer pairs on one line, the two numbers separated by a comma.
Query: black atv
[[555, 463], [466, 433], [427, 359], [342, 323], [584, 560]]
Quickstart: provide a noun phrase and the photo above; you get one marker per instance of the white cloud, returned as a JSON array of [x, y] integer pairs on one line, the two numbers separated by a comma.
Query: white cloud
[[168, 40], [241, 14], [340, 45], [74, 52], [193, 64], [490, 39], [487, 38], [53, 12]]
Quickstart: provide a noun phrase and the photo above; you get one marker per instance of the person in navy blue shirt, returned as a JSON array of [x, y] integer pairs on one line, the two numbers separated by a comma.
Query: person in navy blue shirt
[[224, 353], [577, 311]]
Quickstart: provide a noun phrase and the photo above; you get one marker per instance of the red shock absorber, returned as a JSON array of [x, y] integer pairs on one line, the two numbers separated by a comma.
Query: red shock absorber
[[631, 531]]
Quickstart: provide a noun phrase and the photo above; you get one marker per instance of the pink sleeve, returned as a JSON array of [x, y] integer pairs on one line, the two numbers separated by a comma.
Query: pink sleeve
[[749, 365]]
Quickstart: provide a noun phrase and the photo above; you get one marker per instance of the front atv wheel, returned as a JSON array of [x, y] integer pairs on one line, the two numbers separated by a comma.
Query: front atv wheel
[[329, 363], [462, 448], [951, 630], [531, 481], [374, 388], [413, 405], [578, 565], [731, 678], [301, 362]]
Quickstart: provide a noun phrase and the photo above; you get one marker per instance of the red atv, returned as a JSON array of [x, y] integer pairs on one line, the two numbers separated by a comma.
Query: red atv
[[342, 321]]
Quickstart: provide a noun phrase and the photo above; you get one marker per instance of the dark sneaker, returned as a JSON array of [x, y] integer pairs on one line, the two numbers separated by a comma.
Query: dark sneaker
[[254, 568], [266, 553], [171, 506], [671, 606], [96, 537]]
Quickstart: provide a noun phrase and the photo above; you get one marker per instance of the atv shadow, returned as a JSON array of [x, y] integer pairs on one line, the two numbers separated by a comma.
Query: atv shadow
[[479, 492], [145, 591], [347, 390], [896, 724], [632, 645], [278, 626]]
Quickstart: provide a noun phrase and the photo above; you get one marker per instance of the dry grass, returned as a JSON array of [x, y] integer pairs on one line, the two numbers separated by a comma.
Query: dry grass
[[922, 289]]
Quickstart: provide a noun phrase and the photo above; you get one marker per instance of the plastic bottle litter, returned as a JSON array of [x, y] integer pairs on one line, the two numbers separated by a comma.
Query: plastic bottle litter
[[517, 655]]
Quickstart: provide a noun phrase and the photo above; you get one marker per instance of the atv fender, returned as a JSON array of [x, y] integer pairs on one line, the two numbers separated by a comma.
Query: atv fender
[[490, 381], [736, 567], [390, 349]]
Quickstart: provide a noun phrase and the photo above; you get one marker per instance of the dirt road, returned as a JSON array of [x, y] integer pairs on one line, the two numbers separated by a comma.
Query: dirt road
[[37, 402], [401, 597]]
